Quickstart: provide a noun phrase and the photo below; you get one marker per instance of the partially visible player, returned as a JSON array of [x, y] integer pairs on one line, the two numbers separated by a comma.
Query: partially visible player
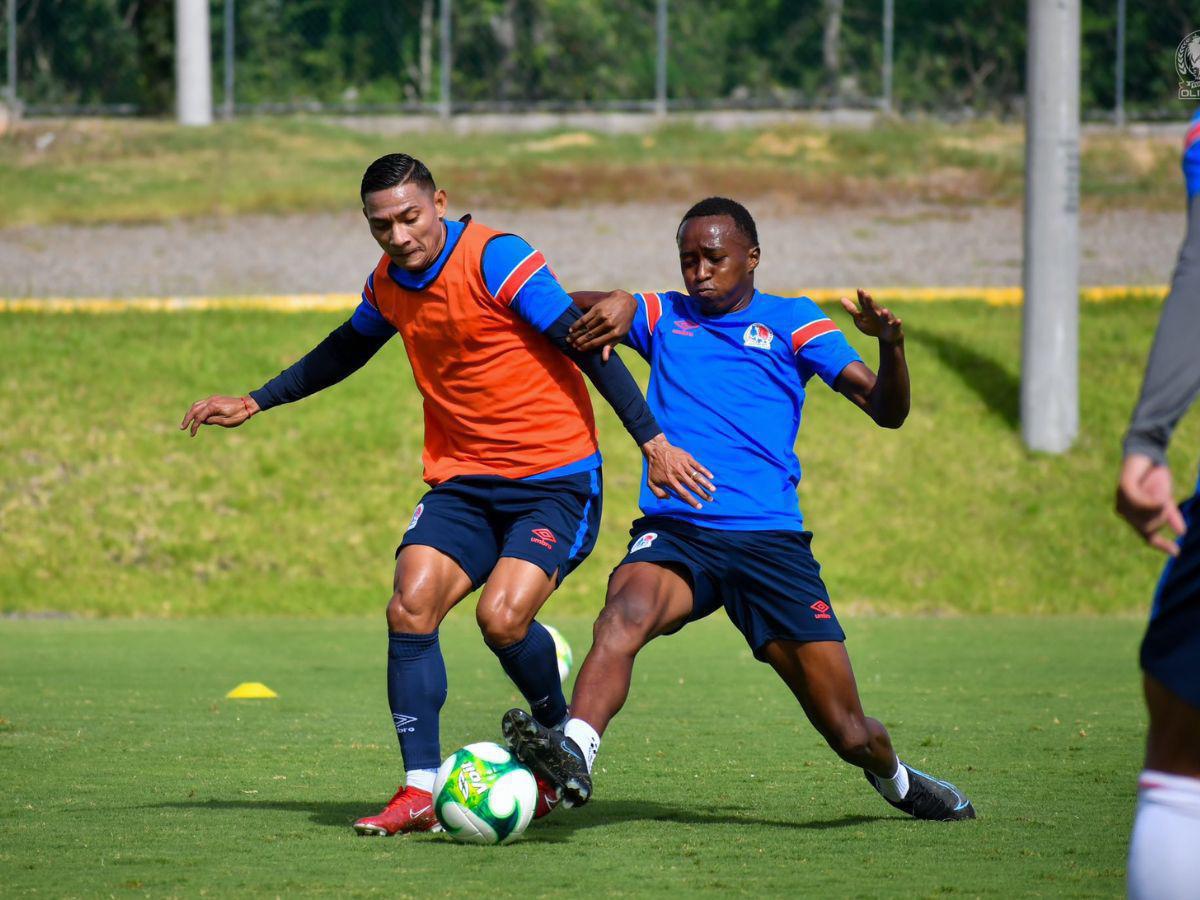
[[728, 370], [1164, 855], [511, 455]]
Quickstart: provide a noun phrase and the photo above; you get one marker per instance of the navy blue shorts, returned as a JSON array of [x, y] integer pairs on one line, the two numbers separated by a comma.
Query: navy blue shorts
[[1171, 648], [768, 581], [477, 519]]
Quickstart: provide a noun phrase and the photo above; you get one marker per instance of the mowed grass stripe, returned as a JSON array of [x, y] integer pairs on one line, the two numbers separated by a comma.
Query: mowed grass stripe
[[126, 770], [106, 509]]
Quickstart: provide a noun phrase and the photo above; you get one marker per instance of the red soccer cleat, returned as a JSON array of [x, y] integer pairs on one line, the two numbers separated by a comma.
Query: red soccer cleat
[[548, 796], [409, 811]]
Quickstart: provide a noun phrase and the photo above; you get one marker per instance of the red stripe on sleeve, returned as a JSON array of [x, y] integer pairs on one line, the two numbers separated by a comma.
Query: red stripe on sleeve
[[811, 331], [1193, 135], [653, 310], [517, 277], [369, 293]]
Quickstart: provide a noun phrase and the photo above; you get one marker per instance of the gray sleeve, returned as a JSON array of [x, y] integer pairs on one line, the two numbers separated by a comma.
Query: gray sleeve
[[1173, 372]]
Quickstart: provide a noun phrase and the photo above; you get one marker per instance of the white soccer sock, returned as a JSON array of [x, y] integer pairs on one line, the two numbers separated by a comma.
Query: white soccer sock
[[422, 779], [896, 787], [1163, 859], [585, 736]]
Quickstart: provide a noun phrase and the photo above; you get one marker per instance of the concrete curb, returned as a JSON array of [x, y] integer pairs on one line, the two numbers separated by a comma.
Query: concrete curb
[[293, 303]]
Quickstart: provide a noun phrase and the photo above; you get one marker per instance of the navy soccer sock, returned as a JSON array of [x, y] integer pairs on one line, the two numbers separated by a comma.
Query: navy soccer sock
[[416, 691], [532, 664]]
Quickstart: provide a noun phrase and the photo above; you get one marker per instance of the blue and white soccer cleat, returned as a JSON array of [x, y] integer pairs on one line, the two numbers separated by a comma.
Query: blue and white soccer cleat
[[929, 798]]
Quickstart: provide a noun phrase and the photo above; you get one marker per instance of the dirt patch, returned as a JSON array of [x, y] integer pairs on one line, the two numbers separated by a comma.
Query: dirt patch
[[596, 245]]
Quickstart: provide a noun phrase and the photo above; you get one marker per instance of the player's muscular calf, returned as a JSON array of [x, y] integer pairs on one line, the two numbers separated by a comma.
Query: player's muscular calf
[[427, 585], [820, 676], [644, 600]]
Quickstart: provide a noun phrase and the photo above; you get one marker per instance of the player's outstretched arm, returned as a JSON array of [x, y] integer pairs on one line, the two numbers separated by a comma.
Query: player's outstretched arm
[[343, 352], [228, 412], [884, 397]]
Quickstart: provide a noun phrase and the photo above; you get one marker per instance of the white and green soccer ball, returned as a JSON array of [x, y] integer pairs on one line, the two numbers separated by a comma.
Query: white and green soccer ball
[[562, 650], [483, 795]]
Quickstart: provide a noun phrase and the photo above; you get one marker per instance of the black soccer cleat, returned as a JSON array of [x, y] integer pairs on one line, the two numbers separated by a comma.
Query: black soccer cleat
[[550, 753], [929, 798]]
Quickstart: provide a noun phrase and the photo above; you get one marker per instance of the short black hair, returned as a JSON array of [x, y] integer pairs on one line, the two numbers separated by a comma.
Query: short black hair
[[723, 206], [395, 169]]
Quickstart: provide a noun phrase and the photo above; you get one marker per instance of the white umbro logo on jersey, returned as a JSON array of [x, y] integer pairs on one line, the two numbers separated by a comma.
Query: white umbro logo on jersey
[[643, 542], [758, 335], [416, 517]]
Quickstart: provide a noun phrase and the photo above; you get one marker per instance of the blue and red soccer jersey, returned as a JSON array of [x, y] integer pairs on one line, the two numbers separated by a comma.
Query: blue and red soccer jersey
[[731, 390]]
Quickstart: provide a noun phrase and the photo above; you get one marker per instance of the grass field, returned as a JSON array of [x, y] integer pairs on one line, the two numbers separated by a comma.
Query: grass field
[[126, 772], [96, 171], [106, 509]]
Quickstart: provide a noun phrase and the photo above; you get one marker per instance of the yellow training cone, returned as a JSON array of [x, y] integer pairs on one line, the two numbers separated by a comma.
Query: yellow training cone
[[251, 690]]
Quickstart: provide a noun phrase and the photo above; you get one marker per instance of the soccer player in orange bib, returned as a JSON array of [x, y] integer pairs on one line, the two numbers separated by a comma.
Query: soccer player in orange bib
[[511, 455]]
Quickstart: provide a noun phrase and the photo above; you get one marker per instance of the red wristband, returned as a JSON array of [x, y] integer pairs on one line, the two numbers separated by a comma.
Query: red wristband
[[246, 407]]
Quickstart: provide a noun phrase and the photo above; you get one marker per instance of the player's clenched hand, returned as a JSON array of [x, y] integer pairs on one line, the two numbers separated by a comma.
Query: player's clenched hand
[[1145, 501], [674, 469], [228, 412], [605, 324], [873, 320]]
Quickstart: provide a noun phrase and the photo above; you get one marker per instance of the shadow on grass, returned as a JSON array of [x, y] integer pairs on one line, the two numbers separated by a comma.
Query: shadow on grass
[[556, 829], [990, 380]]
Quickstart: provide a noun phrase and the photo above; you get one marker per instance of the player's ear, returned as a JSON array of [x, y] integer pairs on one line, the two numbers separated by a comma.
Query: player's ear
[[752, 259], [439, 203]]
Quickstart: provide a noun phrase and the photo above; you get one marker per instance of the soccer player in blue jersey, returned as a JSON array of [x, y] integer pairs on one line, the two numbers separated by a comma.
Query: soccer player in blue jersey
[[728, 370], [1163, 859]]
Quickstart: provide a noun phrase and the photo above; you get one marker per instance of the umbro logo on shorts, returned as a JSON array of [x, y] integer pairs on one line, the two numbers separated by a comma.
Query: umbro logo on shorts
[[644, 541], [820, 609], [545, 537]]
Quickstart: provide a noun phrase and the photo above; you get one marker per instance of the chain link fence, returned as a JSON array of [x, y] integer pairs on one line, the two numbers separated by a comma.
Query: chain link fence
[[68, 57]]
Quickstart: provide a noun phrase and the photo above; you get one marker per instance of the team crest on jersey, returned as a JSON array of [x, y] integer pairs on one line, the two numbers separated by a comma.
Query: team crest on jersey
[[416, 517], [758, 335], [644, 541]]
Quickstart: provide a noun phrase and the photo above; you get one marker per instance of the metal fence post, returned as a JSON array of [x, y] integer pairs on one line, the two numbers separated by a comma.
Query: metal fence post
[[11, 40], [227, 96], [1119, 105], [447, 57], [193, 63], [889, 35], [660, 67], [1050, 340]]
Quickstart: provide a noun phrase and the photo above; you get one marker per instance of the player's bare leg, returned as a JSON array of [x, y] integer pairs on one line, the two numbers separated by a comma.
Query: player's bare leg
[[1173, 739], [821, 677], [644, 600], [427, 585], [1162, 850]]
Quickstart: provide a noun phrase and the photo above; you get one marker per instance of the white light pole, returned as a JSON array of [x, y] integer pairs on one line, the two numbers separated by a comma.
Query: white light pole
[[193, 63], [1050, 342]]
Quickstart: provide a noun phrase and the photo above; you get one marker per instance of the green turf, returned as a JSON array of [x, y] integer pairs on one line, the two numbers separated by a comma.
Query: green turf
[[97, 171], [107, 509], [126, 771]]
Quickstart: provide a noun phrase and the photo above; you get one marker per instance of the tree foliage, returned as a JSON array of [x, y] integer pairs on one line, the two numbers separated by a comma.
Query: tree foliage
[[949, 54]]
